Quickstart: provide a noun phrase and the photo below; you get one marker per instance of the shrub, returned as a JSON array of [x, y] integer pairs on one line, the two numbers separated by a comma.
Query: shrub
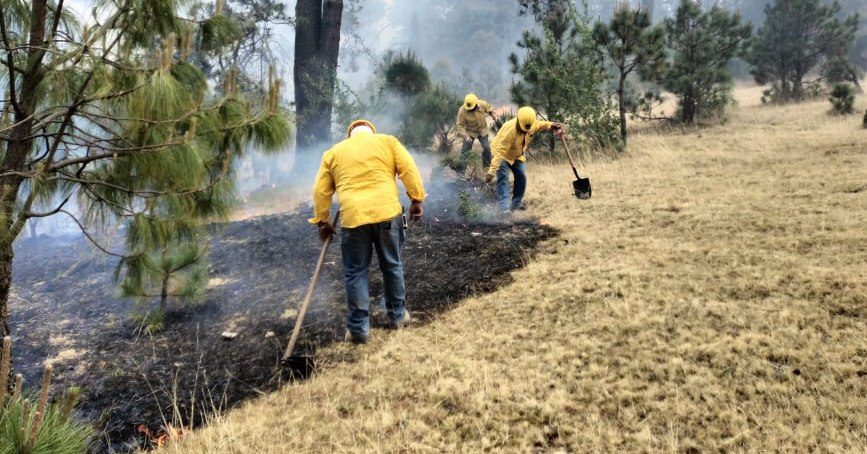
[[457, 161], [41, 428], [842, 99], [405, 74], [558, 72], [501, 119], [430, 119], [865, 119], [468, 209], [149, 320]]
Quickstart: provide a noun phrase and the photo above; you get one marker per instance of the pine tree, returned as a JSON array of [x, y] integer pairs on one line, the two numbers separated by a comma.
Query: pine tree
[[111, 124], [703, 43], [560, 73], [630, 44], [405, 75], [798, 36], [427, 111]]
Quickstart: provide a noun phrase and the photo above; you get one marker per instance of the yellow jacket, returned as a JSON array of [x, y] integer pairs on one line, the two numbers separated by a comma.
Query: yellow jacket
[[361, 170], [474, 123], [510, 144]]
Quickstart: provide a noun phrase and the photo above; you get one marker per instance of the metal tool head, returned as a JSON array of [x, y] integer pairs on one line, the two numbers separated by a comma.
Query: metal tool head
[[582, 188]]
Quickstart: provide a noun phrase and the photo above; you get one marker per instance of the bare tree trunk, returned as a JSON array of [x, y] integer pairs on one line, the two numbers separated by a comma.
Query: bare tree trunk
[[32, 223], [317, 46], [621, 94]]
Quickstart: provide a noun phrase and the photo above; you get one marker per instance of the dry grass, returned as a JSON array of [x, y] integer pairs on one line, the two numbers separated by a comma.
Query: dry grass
[[711, 297]]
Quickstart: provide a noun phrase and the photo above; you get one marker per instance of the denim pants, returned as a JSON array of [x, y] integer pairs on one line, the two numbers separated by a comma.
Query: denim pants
[[357, 245], [486, 150], [503, 185]]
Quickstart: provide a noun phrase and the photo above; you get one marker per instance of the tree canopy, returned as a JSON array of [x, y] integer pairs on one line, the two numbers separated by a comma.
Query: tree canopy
[[114, 125]]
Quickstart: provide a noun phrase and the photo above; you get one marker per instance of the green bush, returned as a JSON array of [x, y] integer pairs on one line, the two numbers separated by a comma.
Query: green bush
[[149, 321], [468, 209], [457, 161], [405, 74], [32, 425], [430, 119], [22, 431], [842, 99]]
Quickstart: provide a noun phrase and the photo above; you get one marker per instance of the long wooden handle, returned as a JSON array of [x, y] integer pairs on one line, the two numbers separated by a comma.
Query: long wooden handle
[[296, 332], [568, 153]]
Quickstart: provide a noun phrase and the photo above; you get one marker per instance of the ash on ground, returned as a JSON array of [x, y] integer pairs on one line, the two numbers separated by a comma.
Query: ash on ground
[[65, 309]]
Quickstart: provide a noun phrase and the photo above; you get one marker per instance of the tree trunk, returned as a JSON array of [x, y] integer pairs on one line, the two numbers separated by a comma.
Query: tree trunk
[[317, 46], [6, 255], [32, 223], [688, 109], [621, 94], [18, 148], [164, 294], [798, 87]]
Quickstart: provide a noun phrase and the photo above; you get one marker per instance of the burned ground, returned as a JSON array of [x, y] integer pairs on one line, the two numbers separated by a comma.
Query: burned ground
[[65, 308]]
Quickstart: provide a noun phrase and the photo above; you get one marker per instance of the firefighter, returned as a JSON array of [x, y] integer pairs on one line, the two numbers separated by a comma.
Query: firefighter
[[472, 124], [509, 147], [361, 170]]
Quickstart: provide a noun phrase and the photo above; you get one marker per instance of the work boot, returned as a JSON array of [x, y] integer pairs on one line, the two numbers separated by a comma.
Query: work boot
[[406, 320], [356, 338]]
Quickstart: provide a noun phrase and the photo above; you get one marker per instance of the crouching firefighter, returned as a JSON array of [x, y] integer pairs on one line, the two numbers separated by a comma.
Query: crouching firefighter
[[361, 170], [472, 124], [509, 147]]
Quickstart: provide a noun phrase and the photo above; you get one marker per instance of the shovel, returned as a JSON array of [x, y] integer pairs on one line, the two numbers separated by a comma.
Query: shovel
[[581, 185], [290, 348]]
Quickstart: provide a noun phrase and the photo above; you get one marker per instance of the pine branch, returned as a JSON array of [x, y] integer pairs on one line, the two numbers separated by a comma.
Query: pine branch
[[47, 213], [90, 237]]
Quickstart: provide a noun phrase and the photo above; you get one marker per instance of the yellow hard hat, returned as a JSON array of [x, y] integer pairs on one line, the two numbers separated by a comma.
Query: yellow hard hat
[[526, 118], [471, 101], [359, 123]]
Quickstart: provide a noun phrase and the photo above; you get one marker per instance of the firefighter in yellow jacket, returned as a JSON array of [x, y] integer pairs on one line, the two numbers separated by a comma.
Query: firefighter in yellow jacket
[[472, 124], [509, 147], [362, 170]]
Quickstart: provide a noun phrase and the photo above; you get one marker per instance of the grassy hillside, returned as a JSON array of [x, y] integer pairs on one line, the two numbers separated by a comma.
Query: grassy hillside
[[711, 296]]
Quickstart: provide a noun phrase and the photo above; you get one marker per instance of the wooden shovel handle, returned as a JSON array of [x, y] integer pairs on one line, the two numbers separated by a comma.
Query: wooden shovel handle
[[569, 154], [296, 332]]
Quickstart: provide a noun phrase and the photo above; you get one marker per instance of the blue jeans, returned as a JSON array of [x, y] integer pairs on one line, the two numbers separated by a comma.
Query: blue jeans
[[503, 185], [357, 245], [486, 150]]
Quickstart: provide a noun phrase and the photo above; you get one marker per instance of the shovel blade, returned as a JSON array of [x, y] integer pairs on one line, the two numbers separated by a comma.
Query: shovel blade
[[582, 188]]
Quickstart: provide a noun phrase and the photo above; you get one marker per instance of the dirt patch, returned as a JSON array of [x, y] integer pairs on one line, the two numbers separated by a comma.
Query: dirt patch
[[65, 302]]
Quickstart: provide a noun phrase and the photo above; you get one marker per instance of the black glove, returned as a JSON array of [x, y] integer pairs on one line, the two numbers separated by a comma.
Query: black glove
[[416, 210], [326, 230]]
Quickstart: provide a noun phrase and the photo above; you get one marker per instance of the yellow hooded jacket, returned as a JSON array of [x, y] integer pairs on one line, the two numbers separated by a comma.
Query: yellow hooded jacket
[[510, 143], [474, 123], [361, 169]]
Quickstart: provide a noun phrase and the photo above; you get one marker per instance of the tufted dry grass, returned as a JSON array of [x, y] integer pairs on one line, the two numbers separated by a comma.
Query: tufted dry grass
[[712, 296]]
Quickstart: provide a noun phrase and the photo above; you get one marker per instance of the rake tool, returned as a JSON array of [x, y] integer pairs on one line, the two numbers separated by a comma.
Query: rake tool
[[299, 321]]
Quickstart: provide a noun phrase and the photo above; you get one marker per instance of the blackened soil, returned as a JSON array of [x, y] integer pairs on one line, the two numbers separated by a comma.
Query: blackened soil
[[64, 306]]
